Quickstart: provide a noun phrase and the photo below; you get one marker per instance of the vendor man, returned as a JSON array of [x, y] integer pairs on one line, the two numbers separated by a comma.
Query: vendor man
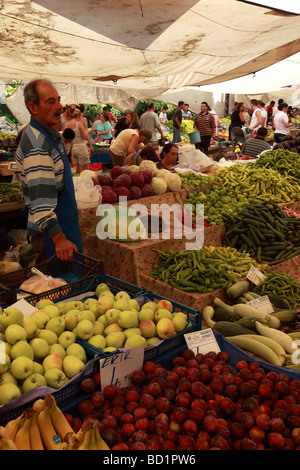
[[46, 177]]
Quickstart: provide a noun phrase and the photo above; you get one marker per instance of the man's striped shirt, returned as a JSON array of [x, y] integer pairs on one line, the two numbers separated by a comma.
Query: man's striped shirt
[[41, 172], [253, 146]]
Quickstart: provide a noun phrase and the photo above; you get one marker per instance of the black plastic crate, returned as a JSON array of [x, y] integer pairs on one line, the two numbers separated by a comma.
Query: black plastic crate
[[75, 273]]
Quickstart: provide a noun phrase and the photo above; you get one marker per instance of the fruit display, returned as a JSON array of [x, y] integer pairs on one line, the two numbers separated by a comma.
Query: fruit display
[[45, 427], [195, 180], [135, 182], [270, 336], [44, 349], [198, 402], [264, 231], [11, 192], [204, 270]]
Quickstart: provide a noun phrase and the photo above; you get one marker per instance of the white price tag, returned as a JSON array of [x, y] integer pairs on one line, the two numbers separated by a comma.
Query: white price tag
[[26, 308], [202, 341], [255, 276], [117, 369], [262, 304]]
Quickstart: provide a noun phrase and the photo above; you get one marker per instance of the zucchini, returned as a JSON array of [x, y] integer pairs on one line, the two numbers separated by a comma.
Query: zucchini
[[238, 289], [219, 303], [274, 322], [222, 314], [277, 348], [245, 310], [207, 315], [279, 336], [226, 328], [257, 348], [247, 322], [285, 316]]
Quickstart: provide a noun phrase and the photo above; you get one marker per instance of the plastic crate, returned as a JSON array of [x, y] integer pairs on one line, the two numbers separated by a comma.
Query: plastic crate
[[75, 273], [195, 324]]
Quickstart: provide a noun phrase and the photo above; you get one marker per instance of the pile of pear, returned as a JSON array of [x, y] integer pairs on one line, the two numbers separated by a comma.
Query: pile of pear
[[41, 349]]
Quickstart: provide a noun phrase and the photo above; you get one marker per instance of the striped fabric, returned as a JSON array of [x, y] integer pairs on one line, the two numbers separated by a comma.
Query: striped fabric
[[205, 123], [41, 172], [254, 146]]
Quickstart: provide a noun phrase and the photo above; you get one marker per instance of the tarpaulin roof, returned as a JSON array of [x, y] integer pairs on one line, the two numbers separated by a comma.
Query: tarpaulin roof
[[141, 46]]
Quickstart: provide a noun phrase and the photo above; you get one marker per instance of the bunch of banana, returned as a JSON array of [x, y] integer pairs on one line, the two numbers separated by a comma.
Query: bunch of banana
[[44, 427]]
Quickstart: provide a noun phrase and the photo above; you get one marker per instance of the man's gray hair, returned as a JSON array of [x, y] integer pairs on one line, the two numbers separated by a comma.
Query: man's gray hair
[[31, 93]]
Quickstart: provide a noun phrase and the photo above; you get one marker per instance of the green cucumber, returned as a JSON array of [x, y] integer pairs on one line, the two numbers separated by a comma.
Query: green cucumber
[[226, 328], [247, 322], [285, 316], [222, 314]]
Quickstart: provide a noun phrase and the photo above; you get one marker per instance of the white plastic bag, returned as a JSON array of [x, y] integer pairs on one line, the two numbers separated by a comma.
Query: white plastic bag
[[87, 194], [41, 282], [196, 159]]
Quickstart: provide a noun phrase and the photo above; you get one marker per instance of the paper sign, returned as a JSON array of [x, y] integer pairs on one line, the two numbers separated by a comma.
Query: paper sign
[[255, 276], [117, 369], [262, 304], [202, 341], [26, 308]]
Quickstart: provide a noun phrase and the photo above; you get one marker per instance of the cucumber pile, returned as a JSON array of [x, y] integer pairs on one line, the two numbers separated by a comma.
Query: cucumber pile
[[264, 231]]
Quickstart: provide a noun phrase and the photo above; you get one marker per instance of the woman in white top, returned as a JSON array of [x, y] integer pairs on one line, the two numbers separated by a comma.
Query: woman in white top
[[281, 123], [81, 155], [255, 122]]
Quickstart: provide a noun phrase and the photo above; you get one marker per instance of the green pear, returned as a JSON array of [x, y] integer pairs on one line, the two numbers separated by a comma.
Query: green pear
[[180, 321], [165, 304], [43, 303], [84, 329], [121, 304], [151, 305], [112, 328], [40, 318], [135, 341], [7, 377], [165, 328], [8, 392], [109, 349], [153, 340], [98, 341], [21, 367], [70, 320], [30, 327], [128, 319], [102, 287], [148, 328], [105, 303], [52, 311], [11, 316], [14, 333], [40, 348], [5, 366], [102, 319], [133, 304], [98, 328], [55, 378], [146, 314], [77, 350], [132, 331], [72, 366], [162, 313], [38, 368], [56, 324], [115, 339], [107, 293], [33, 381], [86, 314], [57, 349], [21, 348], [48, 335], [122, 295], [66, 338], [112, 315]]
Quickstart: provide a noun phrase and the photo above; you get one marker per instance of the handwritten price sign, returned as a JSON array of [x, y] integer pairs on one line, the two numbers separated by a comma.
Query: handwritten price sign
[[117, 369]]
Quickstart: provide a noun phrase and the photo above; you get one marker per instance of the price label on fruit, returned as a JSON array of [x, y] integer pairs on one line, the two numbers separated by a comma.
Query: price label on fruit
[[117, 369], [263, 304], [202, 341]]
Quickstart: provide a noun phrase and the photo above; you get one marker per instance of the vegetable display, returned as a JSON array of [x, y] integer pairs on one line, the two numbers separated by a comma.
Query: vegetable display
[[204, 270], [283, 286], [265, 231], [11, 192], [282, 160]]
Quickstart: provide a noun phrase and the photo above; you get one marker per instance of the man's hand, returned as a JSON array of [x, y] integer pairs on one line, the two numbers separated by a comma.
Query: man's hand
[[64, 249]]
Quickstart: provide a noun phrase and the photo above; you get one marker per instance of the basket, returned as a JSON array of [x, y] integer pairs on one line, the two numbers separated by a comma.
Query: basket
[[195, 137], [195, 323], [82, 267]]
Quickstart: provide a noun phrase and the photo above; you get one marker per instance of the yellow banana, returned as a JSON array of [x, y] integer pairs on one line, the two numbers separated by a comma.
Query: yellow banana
[[35, 437], [87, 434], [38, 405], [59, 421], [100, 444], [12, 427], [50, 438], [7, 444], [3, 432], [22, 439]]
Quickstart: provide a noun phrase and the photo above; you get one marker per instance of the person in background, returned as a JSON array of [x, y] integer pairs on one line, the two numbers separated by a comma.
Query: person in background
[[83, 119], [126, 144], [253, 146], [81, 155], [281, 123], [111, 117], [276, 108], [66, 116], [149, 120], [168, 157], [121, 124], [104, 128], [186, 113], [163, 117], [68, 136], [290, 113], [263, 112], [132, 120], [53, 225], [237, 118], [205, 123], [146, 153], [234, 107], [177, 120], [269, 109], [255, 122]]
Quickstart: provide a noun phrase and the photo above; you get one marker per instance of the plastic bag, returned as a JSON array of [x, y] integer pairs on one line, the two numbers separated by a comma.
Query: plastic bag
[[41, 282], [196, 159], [87, 194]]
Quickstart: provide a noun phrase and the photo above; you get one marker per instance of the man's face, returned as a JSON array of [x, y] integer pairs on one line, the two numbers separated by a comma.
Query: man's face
[[49, 109], [203, 108], [185, 108]]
